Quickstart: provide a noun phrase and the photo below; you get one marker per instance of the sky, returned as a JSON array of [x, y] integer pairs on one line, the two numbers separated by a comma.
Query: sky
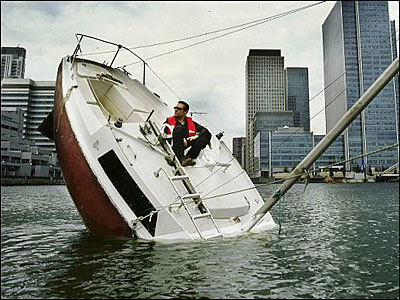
[[209, 76]]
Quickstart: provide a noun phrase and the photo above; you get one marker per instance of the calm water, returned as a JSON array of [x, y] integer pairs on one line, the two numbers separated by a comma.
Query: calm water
[[339, 241]]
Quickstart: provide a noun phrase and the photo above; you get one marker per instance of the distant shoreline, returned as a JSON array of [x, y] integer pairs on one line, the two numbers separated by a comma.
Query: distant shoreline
[[30, 181]]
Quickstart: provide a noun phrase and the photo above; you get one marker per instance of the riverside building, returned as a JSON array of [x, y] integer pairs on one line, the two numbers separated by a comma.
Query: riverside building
[[35, 99], [283, 149], [265, 90], [358, 45]]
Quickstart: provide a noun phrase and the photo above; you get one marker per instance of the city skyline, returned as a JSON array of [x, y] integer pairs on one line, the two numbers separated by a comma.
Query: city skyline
[[210, 76]]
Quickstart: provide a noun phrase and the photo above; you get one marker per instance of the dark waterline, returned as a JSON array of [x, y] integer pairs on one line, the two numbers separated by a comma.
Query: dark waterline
[[339, 241]]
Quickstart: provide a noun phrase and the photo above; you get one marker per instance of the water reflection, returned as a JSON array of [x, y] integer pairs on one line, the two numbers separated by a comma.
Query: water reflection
[[90, 264]]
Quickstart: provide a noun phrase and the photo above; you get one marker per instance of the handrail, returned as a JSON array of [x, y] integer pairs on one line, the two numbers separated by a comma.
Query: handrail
[[119, 46]]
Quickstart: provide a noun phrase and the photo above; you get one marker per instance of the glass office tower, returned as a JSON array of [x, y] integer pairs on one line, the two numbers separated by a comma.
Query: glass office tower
[[357, 48], [297, 96], [283, 149]]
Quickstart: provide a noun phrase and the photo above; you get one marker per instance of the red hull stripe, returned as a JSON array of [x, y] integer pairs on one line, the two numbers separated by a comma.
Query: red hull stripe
[[98, 213]]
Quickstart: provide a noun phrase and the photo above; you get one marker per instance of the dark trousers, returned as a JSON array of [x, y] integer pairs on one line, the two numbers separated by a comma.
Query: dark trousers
[[195, 145]]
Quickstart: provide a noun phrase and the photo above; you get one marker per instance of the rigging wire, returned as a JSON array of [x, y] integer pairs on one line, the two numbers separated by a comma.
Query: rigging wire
[[257, 22], [163, 82], [234, 31], [273, 17], [193, 107], [334, 99], [306, 172], [314, 97], [169, 206], [253, 23]]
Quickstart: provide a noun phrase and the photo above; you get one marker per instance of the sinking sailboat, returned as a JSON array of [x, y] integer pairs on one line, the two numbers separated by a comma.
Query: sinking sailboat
[[109, 134]]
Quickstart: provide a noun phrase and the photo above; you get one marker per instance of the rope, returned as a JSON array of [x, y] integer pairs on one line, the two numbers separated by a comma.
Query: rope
[[64, 100], [211, 32], [280, 217], [150, 215], [306, 181], [169, 206], [213, 173], [240, 173], [163, 81], [261, 21], [304, 173]]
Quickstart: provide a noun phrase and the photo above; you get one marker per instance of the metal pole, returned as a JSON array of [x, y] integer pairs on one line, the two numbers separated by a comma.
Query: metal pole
[[119, 47], [340, 126], [144, 73]]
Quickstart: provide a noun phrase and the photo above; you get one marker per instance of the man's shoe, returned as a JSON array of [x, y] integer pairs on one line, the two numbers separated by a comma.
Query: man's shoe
[[170, 158], [188, 161]]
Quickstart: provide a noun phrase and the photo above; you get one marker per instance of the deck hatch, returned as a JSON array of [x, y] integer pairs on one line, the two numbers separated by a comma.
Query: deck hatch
[[128, 189]]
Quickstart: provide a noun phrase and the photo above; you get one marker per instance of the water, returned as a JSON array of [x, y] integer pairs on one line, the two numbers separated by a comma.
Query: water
[[339, 241]]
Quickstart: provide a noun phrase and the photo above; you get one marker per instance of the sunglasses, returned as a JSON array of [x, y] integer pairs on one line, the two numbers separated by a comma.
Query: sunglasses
[[178, 108]]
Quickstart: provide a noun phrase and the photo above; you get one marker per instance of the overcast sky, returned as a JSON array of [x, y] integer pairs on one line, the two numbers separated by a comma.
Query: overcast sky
[[209, 76]]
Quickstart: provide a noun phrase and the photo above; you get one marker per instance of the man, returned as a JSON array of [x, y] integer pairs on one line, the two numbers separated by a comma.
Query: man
[[186, 133]]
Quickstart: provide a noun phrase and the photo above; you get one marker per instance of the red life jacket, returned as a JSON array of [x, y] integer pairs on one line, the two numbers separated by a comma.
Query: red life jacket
[[189, 123]]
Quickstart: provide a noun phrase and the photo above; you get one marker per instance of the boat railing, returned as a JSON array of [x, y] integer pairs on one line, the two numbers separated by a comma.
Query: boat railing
[[80, 36]]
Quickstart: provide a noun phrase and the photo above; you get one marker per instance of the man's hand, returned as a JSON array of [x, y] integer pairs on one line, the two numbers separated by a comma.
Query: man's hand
[[191, 138]]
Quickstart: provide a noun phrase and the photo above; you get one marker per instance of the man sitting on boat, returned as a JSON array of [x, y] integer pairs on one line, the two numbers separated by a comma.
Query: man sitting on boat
[[186, 133]]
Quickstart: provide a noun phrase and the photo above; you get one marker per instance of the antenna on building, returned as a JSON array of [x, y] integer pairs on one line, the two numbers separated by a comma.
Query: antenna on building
[[198, 113]]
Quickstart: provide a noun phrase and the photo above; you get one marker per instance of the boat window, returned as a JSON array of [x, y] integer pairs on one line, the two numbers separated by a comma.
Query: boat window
[[128, 189]]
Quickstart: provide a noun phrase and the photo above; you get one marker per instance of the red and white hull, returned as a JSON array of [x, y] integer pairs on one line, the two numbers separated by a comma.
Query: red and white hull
[[118, 177], [93, 204]]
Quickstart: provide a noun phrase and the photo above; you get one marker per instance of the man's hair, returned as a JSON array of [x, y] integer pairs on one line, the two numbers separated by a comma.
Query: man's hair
[[185, 104]]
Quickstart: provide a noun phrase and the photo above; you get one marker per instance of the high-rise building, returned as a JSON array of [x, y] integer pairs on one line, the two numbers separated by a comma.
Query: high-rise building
[[357, 48], [396, 77], [238, 149], [12, 62], [265, 90], [297, 96], [35, 99]]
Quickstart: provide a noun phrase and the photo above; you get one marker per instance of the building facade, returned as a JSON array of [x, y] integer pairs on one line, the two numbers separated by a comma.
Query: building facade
[[238, 149], [357, 48], [35, 99], [12, 62], [271, 120], [265, 90], [393, 37], [297, 96], [283, 149], [21, 158]]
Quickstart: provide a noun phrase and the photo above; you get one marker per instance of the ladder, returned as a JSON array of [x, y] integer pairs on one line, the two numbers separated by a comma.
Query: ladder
[[192, 197]]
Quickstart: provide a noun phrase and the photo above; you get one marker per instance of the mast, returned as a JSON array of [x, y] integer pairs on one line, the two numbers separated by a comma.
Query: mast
[[340, 126]]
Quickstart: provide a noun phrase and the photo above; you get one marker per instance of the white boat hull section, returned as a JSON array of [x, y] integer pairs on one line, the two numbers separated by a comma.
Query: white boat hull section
[[100, 96]]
